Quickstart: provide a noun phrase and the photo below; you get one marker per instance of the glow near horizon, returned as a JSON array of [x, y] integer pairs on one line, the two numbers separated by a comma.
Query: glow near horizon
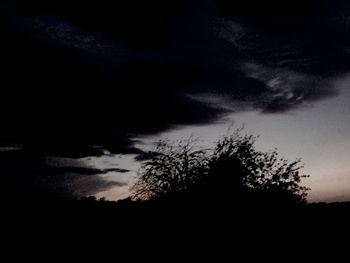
[[319, 134]]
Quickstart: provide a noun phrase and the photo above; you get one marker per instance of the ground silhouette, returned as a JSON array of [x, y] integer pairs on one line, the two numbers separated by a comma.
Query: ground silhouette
[[188, 201]]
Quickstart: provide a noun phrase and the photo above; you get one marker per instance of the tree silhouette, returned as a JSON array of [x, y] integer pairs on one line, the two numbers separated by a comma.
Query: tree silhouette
[[171, 169], [233, 170], [238, 168]]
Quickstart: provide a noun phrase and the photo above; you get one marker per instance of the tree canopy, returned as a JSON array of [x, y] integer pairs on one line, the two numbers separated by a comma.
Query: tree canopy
[[233, 169]]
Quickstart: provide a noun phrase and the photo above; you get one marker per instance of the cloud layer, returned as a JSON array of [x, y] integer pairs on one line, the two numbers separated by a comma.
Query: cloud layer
[[85, 80]]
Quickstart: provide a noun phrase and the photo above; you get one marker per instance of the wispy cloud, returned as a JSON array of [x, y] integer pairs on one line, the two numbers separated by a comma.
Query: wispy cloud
[[107, 76]]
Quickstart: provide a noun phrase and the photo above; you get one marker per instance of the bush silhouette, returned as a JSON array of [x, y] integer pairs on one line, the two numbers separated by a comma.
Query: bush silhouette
[[171, 169], [234, 171]]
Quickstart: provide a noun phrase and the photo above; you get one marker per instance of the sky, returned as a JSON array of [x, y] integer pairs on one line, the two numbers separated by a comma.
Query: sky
[[87, 88], [318, 134]]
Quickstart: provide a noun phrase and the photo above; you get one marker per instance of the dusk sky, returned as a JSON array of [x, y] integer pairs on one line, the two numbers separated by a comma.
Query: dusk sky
[[87, 88]]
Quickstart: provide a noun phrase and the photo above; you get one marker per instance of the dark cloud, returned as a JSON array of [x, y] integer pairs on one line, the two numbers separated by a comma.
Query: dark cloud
[[87, 79], [31, 176], [88, 171], [286, 89], [308, 36]]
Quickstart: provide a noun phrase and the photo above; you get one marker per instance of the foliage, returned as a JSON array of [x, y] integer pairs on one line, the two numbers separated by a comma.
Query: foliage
[[255, 171], [233, 168], [171, 169]]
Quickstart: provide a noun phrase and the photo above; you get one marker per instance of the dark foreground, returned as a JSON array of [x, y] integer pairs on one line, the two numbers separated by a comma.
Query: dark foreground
[[159, 227]]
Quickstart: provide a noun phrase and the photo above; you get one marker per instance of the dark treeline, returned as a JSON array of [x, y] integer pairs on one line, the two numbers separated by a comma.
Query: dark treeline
[[150, 229], [183, 188]]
